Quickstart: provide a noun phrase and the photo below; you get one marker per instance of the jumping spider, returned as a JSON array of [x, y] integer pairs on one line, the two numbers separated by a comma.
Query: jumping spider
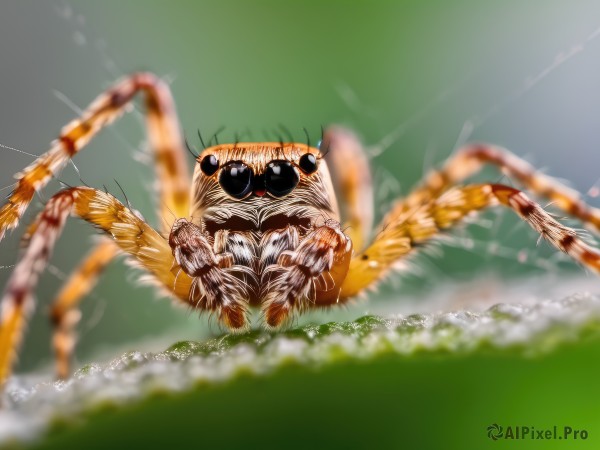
[[265, 227]]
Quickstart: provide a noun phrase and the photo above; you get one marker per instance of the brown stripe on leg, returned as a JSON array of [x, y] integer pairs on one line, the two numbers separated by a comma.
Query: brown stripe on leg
[[349, 167], [126, 229], [557, 234], [135, 237], [17, 295], [65, 313], [470, 159], [164, 135], [408, 227], [403, 229]]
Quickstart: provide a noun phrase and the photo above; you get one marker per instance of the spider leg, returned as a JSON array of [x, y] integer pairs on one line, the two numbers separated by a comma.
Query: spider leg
[[409, 227], [65, 314], [171, 171], [350, 172], [133, 236], [470, 159], [163, 132], [293, 284]]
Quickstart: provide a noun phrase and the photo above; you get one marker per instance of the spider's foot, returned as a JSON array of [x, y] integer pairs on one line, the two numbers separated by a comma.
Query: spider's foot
[[289, 292], [234, 317], [9, 218], [277, 313]]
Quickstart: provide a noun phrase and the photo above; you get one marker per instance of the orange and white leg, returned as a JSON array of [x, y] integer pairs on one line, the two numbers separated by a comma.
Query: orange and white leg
[[308, 276], [349, 167], [64, 312], [164, 135], [407, 228], [470, 159], [172, 180], [132, 234]]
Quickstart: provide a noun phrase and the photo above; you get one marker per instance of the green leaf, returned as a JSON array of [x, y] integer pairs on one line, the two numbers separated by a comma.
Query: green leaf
[[374, 380]]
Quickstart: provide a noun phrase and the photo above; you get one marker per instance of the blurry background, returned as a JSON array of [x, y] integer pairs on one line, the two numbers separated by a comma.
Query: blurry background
[[415, 80]]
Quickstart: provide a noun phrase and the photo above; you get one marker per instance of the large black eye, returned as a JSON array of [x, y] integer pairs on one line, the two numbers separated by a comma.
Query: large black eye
[[236, 179], [281, 178], [308, 163], [209, 164]]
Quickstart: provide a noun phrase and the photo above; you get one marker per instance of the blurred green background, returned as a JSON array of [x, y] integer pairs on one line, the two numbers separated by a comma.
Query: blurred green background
[[525, 73]]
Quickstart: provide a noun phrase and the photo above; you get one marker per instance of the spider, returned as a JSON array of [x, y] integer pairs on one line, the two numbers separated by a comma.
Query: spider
[[258, 225]]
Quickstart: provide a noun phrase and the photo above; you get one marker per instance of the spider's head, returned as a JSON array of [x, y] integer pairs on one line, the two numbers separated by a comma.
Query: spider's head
[[263, 179]]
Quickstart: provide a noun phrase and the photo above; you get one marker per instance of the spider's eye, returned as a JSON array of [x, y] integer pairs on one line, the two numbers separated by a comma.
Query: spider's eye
[[308, 163], [209, 164], [236, 179], [281, 178]]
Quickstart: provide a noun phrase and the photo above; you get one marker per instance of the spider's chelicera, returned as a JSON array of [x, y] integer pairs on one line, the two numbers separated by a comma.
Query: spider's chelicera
[[258, 225]]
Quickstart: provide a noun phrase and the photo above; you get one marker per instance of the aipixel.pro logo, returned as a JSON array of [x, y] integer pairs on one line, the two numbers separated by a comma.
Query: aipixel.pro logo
[[519, 432]]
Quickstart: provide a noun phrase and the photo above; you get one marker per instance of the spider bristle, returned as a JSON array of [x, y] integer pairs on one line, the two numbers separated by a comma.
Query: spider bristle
[[287, 132], [279, 137], [325, 151], [201, 140], [215, 136], [64, 184], [189, 148], [307, 136], [123, 192]]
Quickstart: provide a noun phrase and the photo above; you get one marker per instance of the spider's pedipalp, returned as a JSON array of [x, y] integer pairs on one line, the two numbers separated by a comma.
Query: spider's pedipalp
[[216, 286], [293, 282]]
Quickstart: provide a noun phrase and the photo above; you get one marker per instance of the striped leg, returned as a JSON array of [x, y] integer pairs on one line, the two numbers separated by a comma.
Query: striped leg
[[470, 159], [133, 236], [171, 171], [409, 228], [165, 139], [65, 314], [350, 172]]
